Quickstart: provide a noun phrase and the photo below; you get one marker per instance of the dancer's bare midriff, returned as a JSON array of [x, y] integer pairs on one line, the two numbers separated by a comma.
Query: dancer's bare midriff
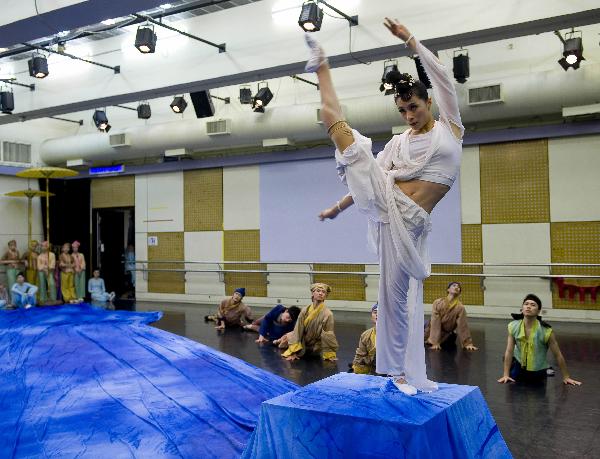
[[424, 194]]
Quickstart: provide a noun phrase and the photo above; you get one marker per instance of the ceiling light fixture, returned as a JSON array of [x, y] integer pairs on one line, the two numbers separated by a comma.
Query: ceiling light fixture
[[245, 95], [262, 98], [179, 104], [7, 101], [38, 66], [311, 15], [101, 120], [572, 50], [144, 111], [460, 65], [145, 39], [386, 86]]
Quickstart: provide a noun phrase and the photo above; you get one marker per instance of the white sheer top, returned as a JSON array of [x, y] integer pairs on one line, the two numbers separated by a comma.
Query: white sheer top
[[434, 156]]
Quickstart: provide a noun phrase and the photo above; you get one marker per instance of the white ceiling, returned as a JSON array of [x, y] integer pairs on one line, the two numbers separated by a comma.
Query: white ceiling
[[262, 44]]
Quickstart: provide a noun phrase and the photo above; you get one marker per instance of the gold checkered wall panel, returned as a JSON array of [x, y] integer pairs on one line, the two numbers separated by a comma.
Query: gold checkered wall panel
[[203, 200], [170, 247], [244, 245], [435, 287], [576, 242], [113, 192], [514, 182], [343, 286]]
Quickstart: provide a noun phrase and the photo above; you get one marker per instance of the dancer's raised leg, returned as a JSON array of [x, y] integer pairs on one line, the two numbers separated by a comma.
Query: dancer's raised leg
[[331, 112]]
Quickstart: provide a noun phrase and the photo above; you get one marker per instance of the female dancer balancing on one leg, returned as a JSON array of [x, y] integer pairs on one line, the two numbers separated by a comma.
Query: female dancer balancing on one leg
[[397, 191]]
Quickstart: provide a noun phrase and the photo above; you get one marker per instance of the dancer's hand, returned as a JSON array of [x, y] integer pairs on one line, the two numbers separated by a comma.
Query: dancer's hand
[[571, 382], [261, 339], [435, 347], [505, 379], [292, 357], [470, 347], [397, 29], [220, 327], [330, 213]]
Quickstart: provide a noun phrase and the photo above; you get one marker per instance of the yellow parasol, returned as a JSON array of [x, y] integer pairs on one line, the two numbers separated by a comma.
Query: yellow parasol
[[29, 194], [47, 172]]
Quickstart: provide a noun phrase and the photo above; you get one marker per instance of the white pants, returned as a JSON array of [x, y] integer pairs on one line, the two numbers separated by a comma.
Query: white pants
[[398, 229]]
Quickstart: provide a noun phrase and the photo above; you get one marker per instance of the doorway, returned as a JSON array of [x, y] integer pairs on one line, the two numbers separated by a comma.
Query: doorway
[[114, 230]]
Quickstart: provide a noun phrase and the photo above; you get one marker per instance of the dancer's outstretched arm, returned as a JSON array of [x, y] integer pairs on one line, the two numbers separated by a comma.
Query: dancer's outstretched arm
[[337, 209]]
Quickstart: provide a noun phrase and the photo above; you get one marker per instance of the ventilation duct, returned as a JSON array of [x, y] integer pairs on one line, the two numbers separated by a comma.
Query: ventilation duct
[[522, 95]]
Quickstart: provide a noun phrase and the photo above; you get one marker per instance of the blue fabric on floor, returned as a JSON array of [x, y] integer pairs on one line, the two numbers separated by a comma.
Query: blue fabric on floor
[[360, 416], [82, 381]]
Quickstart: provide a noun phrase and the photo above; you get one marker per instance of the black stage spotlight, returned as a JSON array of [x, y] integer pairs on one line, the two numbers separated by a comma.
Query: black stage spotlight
[[245, 95], [460, 66], [572, 53], [38, 66], [145, 39], [311, 16], [179, 104], [391, 65], [7, 101], [262, 98], [144, 111], [101, 120], [421, 73]]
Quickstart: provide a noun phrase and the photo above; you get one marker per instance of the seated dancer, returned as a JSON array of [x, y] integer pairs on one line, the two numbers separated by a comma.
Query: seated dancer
[[449, 319], [79, 267], [46, 263], [65, 262], [12, 259], [4, 297], [97, 289], [397, 191], [232, 311], [23, 293], [275, 323], [529, 338], [313, 333], [364, 358]]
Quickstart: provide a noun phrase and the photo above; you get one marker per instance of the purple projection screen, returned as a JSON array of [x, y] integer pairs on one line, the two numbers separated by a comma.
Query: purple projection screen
[[293, 193]]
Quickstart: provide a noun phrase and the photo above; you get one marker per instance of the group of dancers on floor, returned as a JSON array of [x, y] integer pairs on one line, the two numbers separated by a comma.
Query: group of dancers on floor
[[38, 278], [310, 331], [397, 191]]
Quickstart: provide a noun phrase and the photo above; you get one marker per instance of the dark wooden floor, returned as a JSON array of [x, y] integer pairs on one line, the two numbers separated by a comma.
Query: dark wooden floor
[[550, 421]]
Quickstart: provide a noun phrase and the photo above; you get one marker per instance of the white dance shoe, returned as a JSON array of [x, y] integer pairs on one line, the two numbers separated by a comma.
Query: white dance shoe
[[403, 386], [317, 55]]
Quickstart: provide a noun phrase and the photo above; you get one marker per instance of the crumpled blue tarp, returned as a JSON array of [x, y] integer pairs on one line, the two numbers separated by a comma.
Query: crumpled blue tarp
[[78, 381], [360, 416]]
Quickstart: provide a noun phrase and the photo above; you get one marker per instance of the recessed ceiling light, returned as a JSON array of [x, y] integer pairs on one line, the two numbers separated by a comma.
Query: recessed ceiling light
[[109, 22], [165, 6]]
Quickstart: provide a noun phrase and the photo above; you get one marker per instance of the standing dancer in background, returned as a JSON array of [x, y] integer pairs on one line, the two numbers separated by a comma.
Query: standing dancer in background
[[79, 266], [12, 260], [397, 191]]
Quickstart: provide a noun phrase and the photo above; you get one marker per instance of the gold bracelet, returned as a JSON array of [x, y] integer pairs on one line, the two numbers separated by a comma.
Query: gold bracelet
[[333, 125], [341, 127]]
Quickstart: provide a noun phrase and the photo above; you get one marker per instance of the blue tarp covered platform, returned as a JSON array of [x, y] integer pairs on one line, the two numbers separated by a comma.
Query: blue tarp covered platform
[[359, 416], [78, 381]]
